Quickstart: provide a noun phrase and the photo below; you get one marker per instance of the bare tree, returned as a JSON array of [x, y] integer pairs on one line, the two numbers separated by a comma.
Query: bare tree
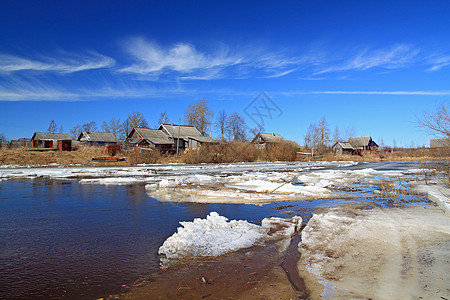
[[258, 129], [221, 124], [113, 126], [349, 132], [2, 137], [75, 131], [163, 118], [52, 127], [323, 134], [89, 127], [437, 123], [237, 127], [135, 119], [336, 137], [199, 115], [311, 138]]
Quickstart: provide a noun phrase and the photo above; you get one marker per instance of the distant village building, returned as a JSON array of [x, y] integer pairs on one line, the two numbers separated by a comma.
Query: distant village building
[[180, 134], [4, 145], [362, 143], [166, 137], [342, 148], [20, 143], [187, 136], [60, 141], [439, 143], [355, 145], [97, 138], [266, 140], [149, 138], [197, 141]]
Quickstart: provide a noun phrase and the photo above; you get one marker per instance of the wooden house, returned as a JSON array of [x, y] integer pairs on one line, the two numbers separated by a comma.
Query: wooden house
[[61, 141], [342, 148], [266, 140], [97, 138], [181, 133], [362, 143], [149, 138]]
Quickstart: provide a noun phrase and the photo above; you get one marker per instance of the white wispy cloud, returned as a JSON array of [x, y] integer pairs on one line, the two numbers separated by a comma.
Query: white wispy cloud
[[183, 57], [439, 62], [64, 64], [394, 57], [189, 63], [380, 93]]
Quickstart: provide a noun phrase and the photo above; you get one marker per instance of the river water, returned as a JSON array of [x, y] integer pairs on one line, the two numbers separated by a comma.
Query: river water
[[60, 238]]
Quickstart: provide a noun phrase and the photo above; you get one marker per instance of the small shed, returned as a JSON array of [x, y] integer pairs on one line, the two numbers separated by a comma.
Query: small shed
[[61, 141], [4, 145], [439, 143], [97, 138], [362, 143], [20, 143], [265, 140], [342, 148], [149, 138], [195, 142]]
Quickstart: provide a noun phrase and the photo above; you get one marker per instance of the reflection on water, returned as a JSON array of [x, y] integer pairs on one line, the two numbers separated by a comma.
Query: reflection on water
[[63, 239]]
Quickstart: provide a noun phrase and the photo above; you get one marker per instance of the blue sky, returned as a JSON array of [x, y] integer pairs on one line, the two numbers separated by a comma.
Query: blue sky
[[371, 65]]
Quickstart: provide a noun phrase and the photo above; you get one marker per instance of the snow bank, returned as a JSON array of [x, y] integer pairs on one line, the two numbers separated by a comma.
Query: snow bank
[[215, 236], [436, 192], [441, 200], [379, 253]]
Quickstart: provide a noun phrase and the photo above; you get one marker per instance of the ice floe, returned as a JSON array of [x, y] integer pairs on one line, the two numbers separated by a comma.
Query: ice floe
[[215, 236], [378, 253]]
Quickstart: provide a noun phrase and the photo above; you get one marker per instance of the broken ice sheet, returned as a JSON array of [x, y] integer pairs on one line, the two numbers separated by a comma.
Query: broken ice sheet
[[215, 236], [401, 253]]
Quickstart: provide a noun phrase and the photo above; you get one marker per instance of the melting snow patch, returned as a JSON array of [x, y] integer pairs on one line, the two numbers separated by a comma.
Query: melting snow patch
[[215, 236], [378, 253]]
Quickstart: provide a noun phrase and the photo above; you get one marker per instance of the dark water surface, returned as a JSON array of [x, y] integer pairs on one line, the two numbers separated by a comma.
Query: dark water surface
[[63, 239]]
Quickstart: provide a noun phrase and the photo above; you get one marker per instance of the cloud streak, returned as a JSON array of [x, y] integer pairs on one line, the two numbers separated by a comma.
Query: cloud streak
[[378, 93], [70, 64], [184, 61], [394, 57]]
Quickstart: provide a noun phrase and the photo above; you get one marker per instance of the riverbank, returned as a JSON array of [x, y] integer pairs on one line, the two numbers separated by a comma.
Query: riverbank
[[241, 153]]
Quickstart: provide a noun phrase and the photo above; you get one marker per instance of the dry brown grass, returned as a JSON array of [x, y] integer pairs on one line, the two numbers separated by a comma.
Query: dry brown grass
[[222, 153]]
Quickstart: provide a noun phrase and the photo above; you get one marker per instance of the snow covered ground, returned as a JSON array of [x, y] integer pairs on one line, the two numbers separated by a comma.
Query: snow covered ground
[[395, 253], [255, 183]]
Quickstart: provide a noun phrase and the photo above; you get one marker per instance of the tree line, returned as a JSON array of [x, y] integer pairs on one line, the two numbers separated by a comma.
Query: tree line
[[227, 126]]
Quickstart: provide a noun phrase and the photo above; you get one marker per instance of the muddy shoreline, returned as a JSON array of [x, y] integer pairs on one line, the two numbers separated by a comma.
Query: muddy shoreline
[[256, 273]]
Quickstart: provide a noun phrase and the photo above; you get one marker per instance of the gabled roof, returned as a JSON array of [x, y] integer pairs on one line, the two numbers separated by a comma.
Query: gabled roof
[[42, 136], [344, 145], [269, 137], [359, 141], [204, 139], [185, 131], [100, 137], [154, 136]]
